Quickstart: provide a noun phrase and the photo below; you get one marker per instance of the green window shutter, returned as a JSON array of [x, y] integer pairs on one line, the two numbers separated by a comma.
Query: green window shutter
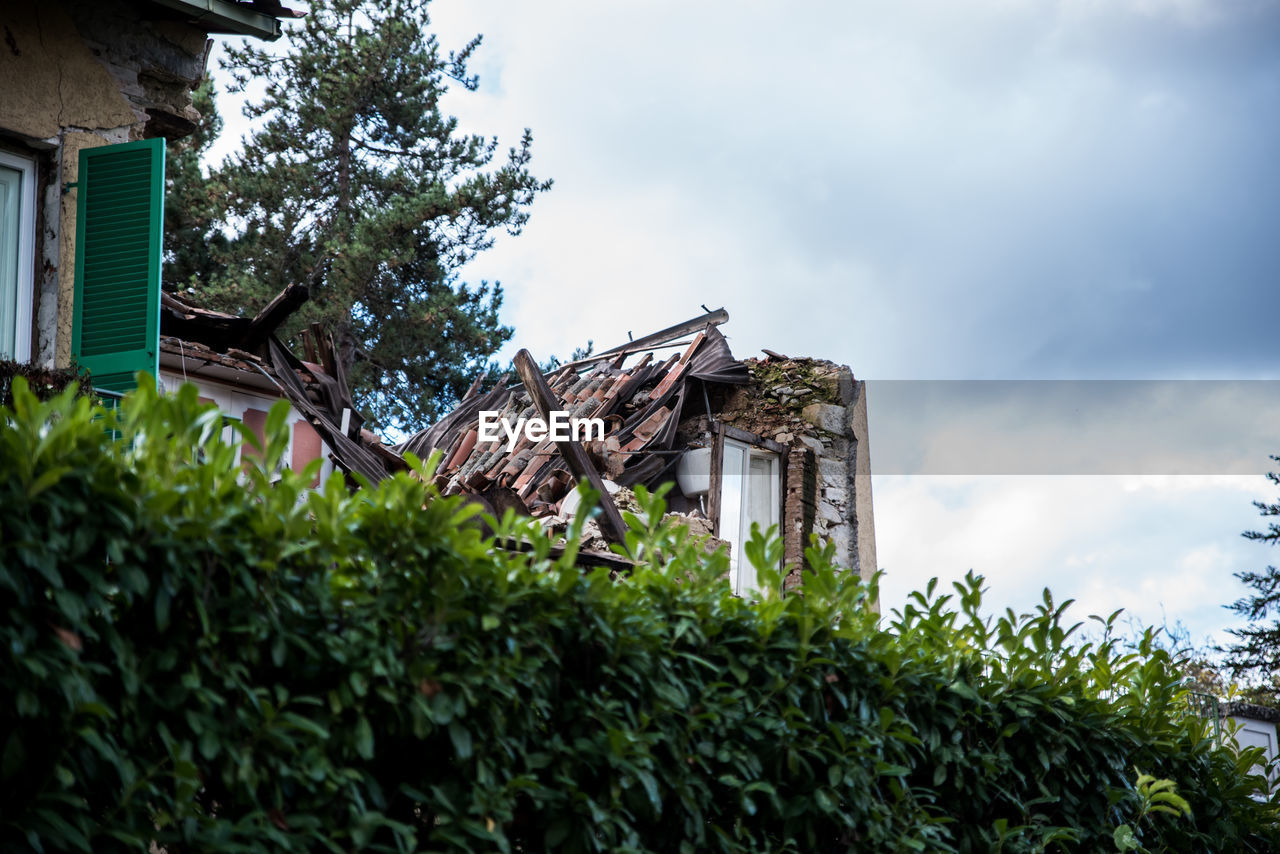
[[119, 213]]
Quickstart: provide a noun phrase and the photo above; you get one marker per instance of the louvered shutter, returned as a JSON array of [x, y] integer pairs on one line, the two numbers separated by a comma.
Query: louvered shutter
[[119, 213]]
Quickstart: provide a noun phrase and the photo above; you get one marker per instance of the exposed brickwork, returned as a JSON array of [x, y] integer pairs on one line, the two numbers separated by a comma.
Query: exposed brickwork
[[799, 505]]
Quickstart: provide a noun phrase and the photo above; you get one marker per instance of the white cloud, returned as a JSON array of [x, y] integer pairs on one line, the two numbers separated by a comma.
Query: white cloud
[[1161, 548]]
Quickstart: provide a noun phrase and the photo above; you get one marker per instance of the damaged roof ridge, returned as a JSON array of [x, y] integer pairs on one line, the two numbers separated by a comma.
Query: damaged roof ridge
[[662, 336]]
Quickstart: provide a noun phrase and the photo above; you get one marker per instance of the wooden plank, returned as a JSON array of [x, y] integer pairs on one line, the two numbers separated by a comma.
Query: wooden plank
[[475, 385], [717, 466], [711, 318], [324, 354], [611, 524], [693, 345], [309, 347], [340, 374]]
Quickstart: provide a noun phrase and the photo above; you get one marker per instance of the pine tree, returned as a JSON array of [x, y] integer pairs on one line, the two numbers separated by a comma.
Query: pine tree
[[192, 204], [1258, 646], [357, 184]]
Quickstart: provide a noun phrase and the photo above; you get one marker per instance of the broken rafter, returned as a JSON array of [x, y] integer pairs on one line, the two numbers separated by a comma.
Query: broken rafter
[[611, 524], [309, 347], [696, 324], [475, 386], [273, 314], [621, 355], [648, 342], [324, 350]]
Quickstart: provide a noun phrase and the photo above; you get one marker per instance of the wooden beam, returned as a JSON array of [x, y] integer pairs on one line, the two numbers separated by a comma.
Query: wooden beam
[[309, 347], [717, 469], [475, 385], [275, 313], [340, 376], [611, 524], [324, 350], [696, 324], [711, 318], [732, 432], [620, 356]]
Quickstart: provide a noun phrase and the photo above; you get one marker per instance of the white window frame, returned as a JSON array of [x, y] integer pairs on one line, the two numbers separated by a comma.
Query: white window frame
[[26, 168], [736, 487], [233, 402]]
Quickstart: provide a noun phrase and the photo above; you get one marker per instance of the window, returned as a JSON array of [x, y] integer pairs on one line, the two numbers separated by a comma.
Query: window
[[750, 491], [17, 248]]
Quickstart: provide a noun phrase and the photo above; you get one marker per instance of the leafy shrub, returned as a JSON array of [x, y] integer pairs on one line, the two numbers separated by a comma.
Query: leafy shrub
[[210, 660]]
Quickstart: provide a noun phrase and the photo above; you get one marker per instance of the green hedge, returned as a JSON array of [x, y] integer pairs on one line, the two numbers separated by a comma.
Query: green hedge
[[211, 667]]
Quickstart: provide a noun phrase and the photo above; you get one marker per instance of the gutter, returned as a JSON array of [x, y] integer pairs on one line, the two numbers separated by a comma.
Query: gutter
[[223, 16]]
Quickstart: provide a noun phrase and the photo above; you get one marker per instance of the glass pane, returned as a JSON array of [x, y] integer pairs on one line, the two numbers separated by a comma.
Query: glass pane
[[10, 211], [760, 504], [731, 482]]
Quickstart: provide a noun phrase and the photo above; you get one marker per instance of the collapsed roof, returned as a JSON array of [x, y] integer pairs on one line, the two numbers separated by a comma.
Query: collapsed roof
[[639, 403], [809, 414], [640, 397], [246, 351]]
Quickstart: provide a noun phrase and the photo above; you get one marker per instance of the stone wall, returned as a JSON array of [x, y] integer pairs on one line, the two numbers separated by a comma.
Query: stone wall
[[82, 73]]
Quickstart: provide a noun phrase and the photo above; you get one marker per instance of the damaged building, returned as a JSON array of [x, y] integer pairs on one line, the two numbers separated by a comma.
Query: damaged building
[[240, 365], [770, 441]]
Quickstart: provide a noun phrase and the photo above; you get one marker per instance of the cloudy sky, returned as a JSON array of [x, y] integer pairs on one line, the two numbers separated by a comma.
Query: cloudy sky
[[926, 190]]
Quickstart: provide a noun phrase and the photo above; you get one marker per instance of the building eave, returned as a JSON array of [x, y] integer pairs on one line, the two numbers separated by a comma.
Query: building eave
[[223, 16]]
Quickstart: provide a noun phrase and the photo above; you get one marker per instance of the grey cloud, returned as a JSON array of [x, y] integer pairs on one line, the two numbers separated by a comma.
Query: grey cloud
[[1121, 427], [972, 190]]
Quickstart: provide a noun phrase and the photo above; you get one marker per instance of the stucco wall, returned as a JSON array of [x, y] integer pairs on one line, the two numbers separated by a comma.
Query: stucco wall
[[60, 83], [97, 67]]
